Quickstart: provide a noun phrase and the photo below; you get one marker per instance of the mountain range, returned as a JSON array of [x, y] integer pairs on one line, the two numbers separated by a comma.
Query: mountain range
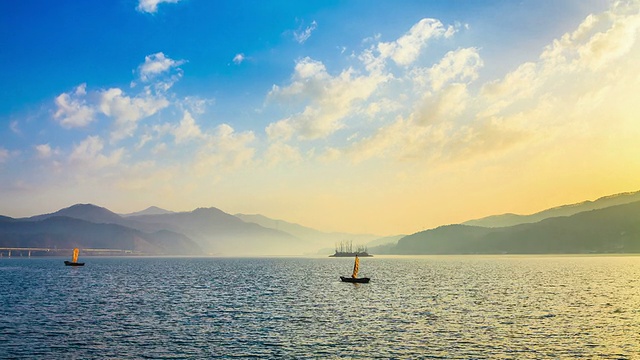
[[155, 231], [613, 229], [565, 210], [323, 242], [607, 225]]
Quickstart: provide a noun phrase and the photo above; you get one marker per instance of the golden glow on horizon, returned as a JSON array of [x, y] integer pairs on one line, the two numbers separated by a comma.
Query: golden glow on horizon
[[393, 148]]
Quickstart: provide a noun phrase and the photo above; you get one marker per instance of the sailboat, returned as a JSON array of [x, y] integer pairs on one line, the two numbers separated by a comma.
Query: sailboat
[[74, 259], [354, 277]]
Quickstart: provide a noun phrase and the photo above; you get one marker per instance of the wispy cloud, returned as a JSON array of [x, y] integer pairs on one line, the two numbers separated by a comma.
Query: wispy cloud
[[406, 49], [43, 151], [238, 59], [329, 99], [401, 107], [302, 35], [187, 129], [14, 127], [225, 150], [448, 116], [127, 111], [151, 6], [88, 154]]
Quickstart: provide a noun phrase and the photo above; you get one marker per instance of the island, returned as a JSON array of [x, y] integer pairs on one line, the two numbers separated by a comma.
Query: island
[[345, 249]]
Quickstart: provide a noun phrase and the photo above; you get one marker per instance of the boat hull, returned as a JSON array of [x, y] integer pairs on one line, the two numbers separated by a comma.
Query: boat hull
[[351, 254], [70, 263], [354, 280]]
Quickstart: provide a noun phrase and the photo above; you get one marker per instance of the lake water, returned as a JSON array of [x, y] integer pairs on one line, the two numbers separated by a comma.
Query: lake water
[[448, 307]]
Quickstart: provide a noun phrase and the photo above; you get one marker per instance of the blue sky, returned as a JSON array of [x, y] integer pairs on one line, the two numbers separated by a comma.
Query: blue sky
[[384, 117]]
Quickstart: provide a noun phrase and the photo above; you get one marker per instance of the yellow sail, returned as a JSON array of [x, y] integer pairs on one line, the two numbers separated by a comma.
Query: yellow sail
[[75, 255], [356, 265]]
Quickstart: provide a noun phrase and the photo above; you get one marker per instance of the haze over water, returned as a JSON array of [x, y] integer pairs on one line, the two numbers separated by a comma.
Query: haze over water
[[450, 307]]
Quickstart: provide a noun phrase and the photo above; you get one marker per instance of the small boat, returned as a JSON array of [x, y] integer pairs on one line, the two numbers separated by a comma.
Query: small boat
[[74, 259], [356, 280], [354, 277]]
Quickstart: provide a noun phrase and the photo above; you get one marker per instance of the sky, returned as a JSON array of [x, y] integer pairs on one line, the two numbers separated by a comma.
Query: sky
[[382, 117]]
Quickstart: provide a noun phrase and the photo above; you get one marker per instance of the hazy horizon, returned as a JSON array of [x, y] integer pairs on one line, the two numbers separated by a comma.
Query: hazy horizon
[[340, 116]]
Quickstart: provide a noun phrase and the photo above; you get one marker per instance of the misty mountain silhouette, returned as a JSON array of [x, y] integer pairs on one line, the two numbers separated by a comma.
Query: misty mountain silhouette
[[611, 225], [221, 233], [87, 212], [202, 231], [151, 210], [65, 232], [323, 242]]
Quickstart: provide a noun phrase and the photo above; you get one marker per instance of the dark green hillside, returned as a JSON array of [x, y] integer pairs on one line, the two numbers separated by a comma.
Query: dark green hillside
[[449, 239], [615, 229]]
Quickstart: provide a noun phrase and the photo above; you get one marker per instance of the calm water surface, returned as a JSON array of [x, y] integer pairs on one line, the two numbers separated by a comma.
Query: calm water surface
[[466, 307]]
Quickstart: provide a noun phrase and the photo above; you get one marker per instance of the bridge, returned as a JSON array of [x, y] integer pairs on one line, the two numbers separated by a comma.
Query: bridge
[[21, 251]]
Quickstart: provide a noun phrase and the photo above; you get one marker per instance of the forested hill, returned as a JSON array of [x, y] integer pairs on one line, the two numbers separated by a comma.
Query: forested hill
[[615, 229]]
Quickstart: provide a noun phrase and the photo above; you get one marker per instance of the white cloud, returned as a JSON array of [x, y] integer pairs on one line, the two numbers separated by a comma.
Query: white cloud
[[128, 111], [406, 49], [187, 129], [155, 65], [459, 65], [308, 68], [73, 110], [43, 151], [546, 103], [225, 150], [238, 59], [600, 39], [441, 106], [329, 99], [89, 154], [151, 6], [144, 139], [280, 130], [301, 36], [196, 104], [382, 107], [88, 149]]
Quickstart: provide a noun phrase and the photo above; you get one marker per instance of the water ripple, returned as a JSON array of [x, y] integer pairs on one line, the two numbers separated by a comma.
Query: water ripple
[[415, 307]]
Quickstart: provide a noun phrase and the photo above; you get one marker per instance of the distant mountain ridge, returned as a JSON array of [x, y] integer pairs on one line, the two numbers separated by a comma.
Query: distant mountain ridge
[[222, 233], [202, 231], [68, 232], [607, 225], [151, 210], [614, 229], [323, 241], [87, 212], [505, 220]]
